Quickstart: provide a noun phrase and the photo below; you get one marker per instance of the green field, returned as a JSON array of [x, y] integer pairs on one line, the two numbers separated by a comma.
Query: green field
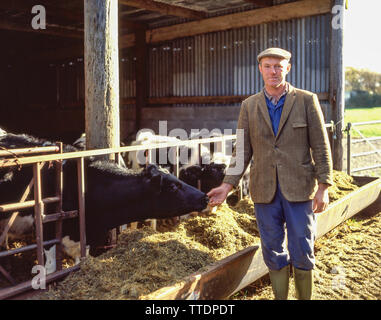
[[364, 114]]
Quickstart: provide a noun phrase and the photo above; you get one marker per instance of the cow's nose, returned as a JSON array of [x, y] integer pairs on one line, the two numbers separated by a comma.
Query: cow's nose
[[206, 199]]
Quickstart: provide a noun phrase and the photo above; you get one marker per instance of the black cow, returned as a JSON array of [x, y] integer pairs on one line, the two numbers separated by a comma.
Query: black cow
[[206, 177], [117, 196], [114, 196], [209, 176]]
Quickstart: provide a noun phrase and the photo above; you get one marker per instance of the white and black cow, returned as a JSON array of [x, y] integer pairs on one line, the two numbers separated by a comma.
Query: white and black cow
[[114, 195]]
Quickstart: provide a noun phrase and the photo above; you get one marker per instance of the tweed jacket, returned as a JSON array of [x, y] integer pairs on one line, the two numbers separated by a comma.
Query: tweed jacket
[[299, 155]]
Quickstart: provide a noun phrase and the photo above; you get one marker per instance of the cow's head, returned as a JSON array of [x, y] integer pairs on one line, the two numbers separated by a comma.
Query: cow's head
[[170, 196], [212, 176]]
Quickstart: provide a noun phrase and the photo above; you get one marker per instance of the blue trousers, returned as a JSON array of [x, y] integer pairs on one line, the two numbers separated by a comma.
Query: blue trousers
[[300, 221]]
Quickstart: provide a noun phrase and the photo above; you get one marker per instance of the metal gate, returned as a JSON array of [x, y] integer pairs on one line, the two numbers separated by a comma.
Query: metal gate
[[370, 141]]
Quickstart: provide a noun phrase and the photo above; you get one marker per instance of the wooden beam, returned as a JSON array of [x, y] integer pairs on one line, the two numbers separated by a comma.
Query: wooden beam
[[131, 26], [165, 8], [127, 41], [249, 18], [262, 3], [209, 99], [142, 77], [50, 30]]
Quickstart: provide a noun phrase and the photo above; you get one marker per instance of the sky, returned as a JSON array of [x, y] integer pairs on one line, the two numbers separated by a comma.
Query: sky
[[362, 35]]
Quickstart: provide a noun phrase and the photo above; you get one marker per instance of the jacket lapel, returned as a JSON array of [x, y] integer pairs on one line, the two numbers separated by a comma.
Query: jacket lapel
[[288, 104], [264, 110]]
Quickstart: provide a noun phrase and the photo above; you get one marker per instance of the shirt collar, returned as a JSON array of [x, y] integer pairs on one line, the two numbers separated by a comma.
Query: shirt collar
[[274, 99]]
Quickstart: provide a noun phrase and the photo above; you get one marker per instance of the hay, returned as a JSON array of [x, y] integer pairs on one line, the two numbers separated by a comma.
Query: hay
[[145, 260], [343, 184]]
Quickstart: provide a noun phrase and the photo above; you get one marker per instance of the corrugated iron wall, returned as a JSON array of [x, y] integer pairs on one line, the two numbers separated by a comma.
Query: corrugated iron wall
[[224, 63], [214, 64]]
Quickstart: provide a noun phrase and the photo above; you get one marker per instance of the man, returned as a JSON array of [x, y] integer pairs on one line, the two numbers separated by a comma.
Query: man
[[284, 134]]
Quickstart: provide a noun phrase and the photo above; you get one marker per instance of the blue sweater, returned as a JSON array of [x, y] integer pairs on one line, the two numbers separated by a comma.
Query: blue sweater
[[275, 112]]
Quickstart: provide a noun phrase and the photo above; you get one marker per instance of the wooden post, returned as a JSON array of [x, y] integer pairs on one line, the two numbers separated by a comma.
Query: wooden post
[[81, 202], [336, 94], [58, 207], [141, 54], [101, 74]]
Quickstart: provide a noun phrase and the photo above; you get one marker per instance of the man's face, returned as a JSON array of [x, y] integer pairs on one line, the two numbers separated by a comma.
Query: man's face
[[274, 71]]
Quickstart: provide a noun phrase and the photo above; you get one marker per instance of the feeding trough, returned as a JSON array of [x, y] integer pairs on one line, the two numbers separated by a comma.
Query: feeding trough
[[229, 275]]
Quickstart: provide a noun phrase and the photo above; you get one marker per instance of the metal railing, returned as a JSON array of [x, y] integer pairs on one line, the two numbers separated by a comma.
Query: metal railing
[[38, 161], [352, 126]]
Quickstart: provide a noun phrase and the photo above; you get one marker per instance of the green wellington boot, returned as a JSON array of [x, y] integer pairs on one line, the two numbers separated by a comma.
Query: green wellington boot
[[303, 283], [279, 282]]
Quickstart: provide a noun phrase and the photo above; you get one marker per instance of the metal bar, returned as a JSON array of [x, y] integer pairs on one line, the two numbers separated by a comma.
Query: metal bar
[[117, 158], [26, 204], [367, 168], [60, 216], [14, 214], [58, 208], [366, 139], [7, 275], [38, 212], [365, 153], [81, 202], [176, 161], [366, 123], [27, 151], [26, 248], [89, 153]]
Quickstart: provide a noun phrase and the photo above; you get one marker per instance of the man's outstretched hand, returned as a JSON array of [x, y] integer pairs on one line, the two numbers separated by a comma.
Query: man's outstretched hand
[[219, 194], [321, 199]]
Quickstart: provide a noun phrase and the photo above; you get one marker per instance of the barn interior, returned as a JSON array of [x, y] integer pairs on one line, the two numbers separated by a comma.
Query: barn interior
[[189, 62]]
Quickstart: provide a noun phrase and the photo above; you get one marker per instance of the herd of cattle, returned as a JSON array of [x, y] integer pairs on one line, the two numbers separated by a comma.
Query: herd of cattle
[[116, 194]]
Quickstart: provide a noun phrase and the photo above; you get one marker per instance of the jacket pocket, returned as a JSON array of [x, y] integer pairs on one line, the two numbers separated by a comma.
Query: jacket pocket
[[299, 125]]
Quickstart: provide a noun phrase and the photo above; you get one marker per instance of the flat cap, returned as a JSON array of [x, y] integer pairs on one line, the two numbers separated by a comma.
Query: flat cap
[[274, 52]]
